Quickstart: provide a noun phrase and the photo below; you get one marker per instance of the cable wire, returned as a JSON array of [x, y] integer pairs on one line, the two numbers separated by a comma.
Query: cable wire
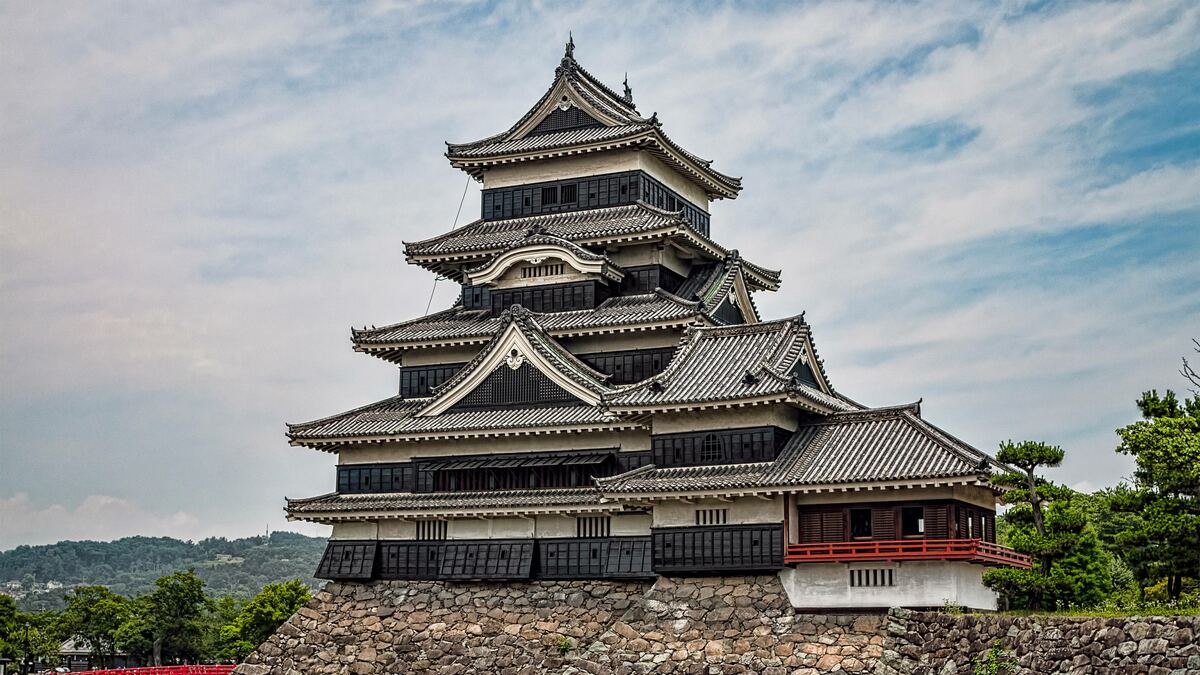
[[453, 227]]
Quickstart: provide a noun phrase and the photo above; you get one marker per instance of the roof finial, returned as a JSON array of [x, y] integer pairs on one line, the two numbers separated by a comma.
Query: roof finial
[[628, 91], [570, 52]]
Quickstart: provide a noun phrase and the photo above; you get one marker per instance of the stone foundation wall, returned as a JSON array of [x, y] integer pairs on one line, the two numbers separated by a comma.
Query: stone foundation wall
[[711, 625]]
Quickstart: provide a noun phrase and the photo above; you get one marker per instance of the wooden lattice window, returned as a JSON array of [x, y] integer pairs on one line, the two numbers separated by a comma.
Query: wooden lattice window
[[872, 577], [712, 516], [432, 530], [712, 449], [593, 527]]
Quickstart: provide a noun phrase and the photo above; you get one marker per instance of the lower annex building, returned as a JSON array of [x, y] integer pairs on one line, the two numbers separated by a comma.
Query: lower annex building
[[605, 402]]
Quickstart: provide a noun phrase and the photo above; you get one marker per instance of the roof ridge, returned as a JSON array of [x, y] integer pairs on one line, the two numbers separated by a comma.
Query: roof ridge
[[300, 426]]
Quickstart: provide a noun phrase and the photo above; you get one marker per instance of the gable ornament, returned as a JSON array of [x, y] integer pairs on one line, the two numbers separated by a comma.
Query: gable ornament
[[514, 359]]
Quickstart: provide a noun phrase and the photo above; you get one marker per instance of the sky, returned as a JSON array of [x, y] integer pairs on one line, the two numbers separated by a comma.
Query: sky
[[992, 207]]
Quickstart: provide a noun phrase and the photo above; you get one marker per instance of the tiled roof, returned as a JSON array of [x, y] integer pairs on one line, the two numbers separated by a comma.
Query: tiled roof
[[396, 417], [476, 325], [482, 239], [739, 362], [623, 127], [502, 499], [867, 446], [535, 239], [552, 353]]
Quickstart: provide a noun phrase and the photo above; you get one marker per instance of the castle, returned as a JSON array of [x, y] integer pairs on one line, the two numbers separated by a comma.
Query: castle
[[605, 402]]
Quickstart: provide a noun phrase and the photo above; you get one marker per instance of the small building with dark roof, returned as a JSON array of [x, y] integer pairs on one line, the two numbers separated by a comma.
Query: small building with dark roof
[[604, 399]]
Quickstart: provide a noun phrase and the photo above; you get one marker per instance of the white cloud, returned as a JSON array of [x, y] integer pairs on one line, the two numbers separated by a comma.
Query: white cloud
[[196, 201], [97, 517]]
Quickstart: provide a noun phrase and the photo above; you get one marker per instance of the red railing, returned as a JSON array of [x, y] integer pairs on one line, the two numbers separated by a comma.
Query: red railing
[[971, 550], [165, 670]]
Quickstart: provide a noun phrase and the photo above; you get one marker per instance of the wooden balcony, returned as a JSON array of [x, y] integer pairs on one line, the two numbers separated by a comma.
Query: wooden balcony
[[897, 550]]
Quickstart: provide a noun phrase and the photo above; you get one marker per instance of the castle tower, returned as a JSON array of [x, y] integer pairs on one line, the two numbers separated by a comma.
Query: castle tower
[[605, 402]]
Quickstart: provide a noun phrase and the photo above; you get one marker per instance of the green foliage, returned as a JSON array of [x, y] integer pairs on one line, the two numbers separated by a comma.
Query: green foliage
[[93, 615], [565, 645], [259, 618], [169, 622], [1164, 537], [995, 661], [1047, 522], [130, 566]]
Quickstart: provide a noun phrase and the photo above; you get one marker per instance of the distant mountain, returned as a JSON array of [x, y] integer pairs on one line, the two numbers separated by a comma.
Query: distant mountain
[[39, 576]]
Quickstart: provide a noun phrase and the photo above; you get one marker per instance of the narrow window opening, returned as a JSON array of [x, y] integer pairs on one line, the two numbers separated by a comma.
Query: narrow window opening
[[860, 523], [549, 195], [912, 521], [712, 516]]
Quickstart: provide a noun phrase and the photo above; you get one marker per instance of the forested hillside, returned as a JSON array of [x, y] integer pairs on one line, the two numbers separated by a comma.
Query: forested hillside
[[39, 576]]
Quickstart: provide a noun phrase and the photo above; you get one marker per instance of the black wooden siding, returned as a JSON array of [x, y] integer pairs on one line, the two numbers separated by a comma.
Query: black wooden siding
[[419, 475], [551, 297], [410, 559], [724, 548], [646, 278], [564, 120], [613, 557], [375, 478], [590, 192], [416, 381], [634, 365], [487, 559], [521, 388], [348, 561], [727, 446], [727, 313]]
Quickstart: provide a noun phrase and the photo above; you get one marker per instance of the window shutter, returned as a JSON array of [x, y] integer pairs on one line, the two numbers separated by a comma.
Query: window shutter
[[937, 522], [833, 526], [810, 527], [883, 523]]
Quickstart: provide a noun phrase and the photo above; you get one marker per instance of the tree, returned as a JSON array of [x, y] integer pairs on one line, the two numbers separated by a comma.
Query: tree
[[169, 620], [1069, 566], [1166, 490], [261, 616], [93, 615]]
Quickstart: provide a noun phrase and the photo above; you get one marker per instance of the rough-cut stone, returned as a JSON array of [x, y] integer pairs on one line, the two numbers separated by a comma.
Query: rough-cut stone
[[710, 625]]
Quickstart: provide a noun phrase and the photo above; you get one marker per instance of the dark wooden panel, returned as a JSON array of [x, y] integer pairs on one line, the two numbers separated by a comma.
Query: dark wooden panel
[[562, 120], [833, 526], [937, 521], [487, 559], [416, 381], [634, 365], [589, 192], [628, 461], [521, 388], [409, 559], [348, 561], [646, 278], [578, 558], [883, 523], [551, 297], [810, 527], [718, 549], [727, 313], [375, 478], [629, 557], [725, 446]]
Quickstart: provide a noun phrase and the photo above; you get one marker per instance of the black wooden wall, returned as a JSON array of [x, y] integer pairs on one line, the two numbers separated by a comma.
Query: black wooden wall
[[722, 446], [723, 548]]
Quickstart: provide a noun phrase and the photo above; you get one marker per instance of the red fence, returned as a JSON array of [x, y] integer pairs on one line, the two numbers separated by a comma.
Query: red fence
[[165, 670], [971, 550]]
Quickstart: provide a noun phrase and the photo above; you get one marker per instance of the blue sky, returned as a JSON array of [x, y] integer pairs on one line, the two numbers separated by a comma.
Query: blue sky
[[991, 206]]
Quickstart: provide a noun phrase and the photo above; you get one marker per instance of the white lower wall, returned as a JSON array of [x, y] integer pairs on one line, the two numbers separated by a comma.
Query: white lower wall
[[917, 584], [631, 525], [742, 511]]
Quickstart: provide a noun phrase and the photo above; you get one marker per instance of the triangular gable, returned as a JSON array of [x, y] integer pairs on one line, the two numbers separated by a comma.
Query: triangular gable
[[520, 387], [521, 345], [564, 120], [567, 99]]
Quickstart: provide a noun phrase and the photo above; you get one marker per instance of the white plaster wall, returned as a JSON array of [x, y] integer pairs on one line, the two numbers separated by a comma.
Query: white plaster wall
[[917, 584], [397, 529], [630, 525], [356, 530], [742, 511], [400, 451], [779, 415], [468, 528], [591, 164], [511, 528], [547, 527], [432, 356]]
